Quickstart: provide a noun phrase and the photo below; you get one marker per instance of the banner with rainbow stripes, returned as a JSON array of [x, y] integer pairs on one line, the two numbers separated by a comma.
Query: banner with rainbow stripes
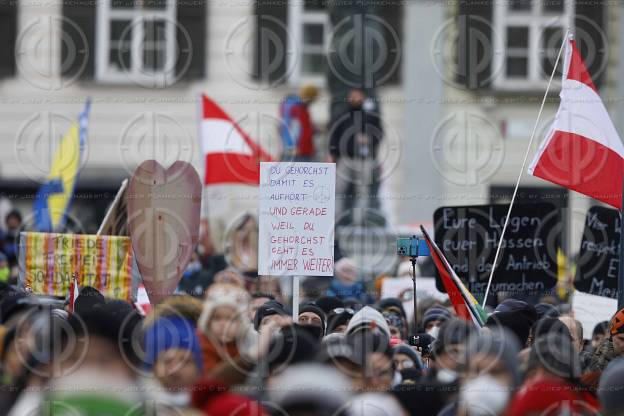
[[47, 262]]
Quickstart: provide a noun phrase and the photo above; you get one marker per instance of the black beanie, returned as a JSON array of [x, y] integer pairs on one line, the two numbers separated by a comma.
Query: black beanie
[[269, 308], [311, 307], [515, 321]]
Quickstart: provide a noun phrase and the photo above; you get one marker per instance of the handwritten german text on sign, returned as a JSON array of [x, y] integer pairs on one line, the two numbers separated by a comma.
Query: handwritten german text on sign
[[297, 208], [469, 236], [598, 261], [47, 262]]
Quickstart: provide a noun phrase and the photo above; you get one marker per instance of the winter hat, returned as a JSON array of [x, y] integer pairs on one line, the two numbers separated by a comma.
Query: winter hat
[[616, 325], [368, 318], [312, 307], [171, 332], [549, 326], [214, 398], [611, 388], [292, 344], [556, 354], [317, 388], [435, 313], [510, 305], [338, 317], [515, 321], [222, 294], [393, 305], [546, 310], [374, 404], [269, 308], [329, 303], [415, 357], [88, 298], [499, 344]]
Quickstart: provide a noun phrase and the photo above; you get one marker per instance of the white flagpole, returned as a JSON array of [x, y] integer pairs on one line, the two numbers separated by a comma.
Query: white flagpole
[[295, 298], [526, 157]]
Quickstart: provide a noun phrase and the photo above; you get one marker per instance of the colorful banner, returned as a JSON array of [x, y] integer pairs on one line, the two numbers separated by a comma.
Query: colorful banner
[[47, 262]]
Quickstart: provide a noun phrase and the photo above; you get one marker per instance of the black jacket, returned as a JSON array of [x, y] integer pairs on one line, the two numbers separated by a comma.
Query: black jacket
[[344, 132]]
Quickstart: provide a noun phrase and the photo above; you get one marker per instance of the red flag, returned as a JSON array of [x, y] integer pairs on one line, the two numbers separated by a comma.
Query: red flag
[[582, 150], [230, 155], [73, 293]]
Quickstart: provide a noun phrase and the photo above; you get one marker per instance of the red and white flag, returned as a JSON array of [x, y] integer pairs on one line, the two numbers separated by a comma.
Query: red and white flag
[[582, 150], [74, 291], [230, 155]]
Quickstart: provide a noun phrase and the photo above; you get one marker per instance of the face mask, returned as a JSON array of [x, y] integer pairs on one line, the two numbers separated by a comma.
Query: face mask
[[434, 331], [484, 396]]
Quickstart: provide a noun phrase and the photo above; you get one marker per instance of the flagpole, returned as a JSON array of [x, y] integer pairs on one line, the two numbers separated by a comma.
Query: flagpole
[[526, 157]]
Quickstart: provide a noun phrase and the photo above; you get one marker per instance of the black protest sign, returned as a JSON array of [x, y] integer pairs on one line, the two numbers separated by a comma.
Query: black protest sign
[[598, 260], [527, 263]]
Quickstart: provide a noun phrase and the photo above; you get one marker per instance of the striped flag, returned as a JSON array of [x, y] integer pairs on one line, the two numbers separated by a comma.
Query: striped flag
[[465, 305], [73, 293], [582, 150]]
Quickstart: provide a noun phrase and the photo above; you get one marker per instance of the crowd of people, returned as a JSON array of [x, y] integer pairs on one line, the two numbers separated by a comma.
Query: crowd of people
[[235, 349]]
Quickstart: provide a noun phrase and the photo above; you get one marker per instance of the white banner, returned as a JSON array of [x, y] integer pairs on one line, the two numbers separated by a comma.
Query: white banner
[[297, 211]]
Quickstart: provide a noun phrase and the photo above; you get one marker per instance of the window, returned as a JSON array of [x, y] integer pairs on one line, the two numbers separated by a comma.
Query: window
[[310, 26], [136, 41], [530, 33]]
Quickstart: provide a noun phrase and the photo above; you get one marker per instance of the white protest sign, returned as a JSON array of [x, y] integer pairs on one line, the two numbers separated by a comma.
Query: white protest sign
[[592, 309], [297, 211]]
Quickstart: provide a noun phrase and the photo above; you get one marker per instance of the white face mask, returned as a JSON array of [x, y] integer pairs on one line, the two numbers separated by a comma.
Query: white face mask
[[484, 396], [434, 331]]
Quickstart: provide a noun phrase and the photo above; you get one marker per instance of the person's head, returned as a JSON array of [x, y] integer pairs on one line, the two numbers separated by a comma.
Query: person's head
[[13, 220], [405, 357], [346, 271], [377, 371], [356, 97], [544, 310], [369, 319], [491, 372], [88, 298], [611, 388], [338, 319], [554, 355], [616, 329], [257, 299], [308, 93], [448, 350], [172, 351], [223, 316], [576, 330], [433, 318], [267, 312], [230, 276], [600, 332], [396, 324], [310, 314], [94, 345], [516, 316]]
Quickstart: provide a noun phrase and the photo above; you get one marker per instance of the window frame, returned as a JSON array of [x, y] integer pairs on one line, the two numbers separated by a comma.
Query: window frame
[[536, 20], [297, 18], [106, 73]]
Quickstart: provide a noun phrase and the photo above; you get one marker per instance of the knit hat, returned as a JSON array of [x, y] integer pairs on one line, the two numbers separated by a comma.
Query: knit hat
[[269, 308], [329, 303], [516, 321], [338, 317], [312, 307], [316, 388], [546, 310], [616, 325], [393, 305], [171, 332], [222, 294], [88, 298], [214, 398], [611, 388], [368, 318], [435, 313], [415, 357]]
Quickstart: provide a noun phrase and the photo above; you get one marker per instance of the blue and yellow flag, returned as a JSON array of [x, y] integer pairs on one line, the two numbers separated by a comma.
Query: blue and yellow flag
[[54, 196]]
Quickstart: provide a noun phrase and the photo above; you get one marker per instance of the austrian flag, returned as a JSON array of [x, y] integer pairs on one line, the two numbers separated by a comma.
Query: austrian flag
[[230, 155], [582, 150]]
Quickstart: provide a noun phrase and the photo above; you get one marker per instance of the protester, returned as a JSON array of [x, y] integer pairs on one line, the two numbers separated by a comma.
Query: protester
[[611, 389], [346, 284], [612, 346], [600, 332], [296, 128], [313, 316]]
